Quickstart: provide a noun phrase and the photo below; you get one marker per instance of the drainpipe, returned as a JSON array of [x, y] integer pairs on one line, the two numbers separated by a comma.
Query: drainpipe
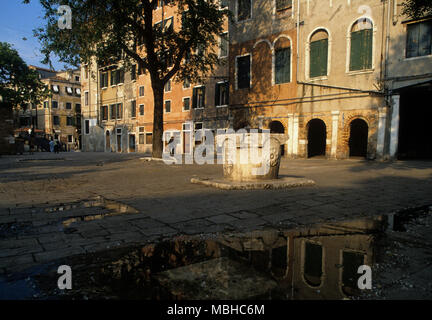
[[298, 39], [387, 40]]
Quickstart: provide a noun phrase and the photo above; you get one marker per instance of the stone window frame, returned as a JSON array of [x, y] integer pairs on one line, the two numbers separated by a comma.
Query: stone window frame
[[190, 104], [348, 47], [273, 51], [329, 55]]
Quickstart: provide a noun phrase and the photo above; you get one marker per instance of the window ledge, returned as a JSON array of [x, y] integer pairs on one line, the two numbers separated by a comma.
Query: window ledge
[[186, 110], [318, 78], [354, 73], [243, 21], [429, 56], [222, 106]]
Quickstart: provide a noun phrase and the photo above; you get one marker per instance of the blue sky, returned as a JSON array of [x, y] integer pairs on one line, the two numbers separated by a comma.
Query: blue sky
[[17, 21]]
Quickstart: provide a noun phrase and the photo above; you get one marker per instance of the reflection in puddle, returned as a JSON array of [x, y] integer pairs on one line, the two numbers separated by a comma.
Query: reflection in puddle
[[313, 263], [105, 208]]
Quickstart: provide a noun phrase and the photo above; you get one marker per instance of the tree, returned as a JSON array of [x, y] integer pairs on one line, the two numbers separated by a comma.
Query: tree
[[123, 30], [18, 83], [417, 8]]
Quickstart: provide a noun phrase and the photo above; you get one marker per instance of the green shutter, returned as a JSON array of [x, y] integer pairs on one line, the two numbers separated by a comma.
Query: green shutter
[[283, 65], [194, 98], [318, 58], [361, 50], [367, 49]]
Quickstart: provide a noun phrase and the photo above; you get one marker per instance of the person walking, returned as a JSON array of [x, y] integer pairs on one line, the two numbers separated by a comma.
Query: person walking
[[51, 144]]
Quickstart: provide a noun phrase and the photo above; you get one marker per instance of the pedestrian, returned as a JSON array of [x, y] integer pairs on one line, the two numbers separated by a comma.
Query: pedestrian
[[51, 144]]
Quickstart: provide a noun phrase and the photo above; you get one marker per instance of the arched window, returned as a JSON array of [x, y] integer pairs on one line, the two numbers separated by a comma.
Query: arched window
[[282, 62], [361, 45], [319, 44]]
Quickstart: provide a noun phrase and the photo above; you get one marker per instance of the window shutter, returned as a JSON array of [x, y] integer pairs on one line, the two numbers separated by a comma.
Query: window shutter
[[425, 38], [367, 49], [361, 50], [318, 58], [217, 95], [282, 65], [203, 97], [413, 40], [356, 51], [194, 99]]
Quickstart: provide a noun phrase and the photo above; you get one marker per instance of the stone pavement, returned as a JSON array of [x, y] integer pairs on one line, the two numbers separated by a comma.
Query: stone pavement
[[55, 206]]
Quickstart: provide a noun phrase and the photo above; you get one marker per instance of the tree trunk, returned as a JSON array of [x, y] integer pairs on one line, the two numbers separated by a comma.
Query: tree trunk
[[158, 95]]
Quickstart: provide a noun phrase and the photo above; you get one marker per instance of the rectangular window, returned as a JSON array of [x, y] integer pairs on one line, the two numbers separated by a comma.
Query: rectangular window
[[55, 88], [223, 49], [117, 77], [133, 72], [104, 79], [141, 109], [168, 86], [186, 104], [221, 94], [56, 120], [54, 104], [283, 4], [282, 65], [78, 108], [119, 111], [141, 91], [243, 72], [104, 113], [133, 109], [361, 50], [46, 104], [113, 111], [149, 138], [86, 98], [69, 90], [198, 100], [68, 105], [70, 138], [141, 138], [167, 106], [318, 58], [419, 39], [69, 121], [87, 127], [186, 83], [244, 10]]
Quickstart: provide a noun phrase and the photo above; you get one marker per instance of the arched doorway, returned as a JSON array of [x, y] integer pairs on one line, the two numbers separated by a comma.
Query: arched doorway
[[278, 128], [317, 136], [358, 140], [108, 141]]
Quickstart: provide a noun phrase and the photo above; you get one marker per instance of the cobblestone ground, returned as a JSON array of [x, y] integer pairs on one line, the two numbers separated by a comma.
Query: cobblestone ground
[[48, 211]]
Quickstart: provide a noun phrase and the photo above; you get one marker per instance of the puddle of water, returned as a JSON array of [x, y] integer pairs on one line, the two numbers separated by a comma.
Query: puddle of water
[[318, 262], [68, 214], [312, 263]]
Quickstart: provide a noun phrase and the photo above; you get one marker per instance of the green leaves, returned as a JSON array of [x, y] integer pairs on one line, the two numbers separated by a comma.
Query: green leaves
[[18, 83], [114, 30], [417, 8]]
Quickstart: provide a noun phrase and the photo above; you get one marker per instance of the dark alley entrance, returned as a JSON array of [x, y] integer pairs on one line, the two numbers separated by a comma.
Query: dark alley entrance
[[358, 140], [415, 139], [316, 138]]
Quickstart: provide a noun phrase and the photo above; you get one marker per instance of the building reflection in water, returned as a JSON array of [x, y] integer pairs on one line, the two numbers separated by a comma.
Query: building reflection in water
[[314, 263]]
